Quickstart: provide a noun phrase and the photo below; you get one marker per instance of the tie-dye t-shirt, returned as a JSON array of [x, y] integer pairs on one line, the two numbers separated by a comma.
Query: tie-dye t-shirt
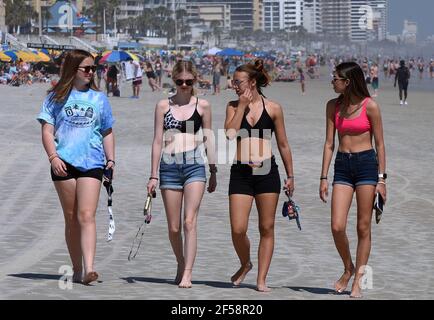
[[79, 125]]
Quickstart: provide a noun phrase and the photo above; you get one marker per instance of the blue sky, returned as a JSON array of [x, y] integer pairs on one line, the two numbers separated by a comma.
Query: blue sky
[[421, 11]]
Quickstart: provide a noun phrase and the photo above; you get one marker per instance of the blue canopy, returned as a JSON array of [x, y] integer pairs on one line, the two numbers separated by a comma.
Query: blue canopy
[[229, 52]]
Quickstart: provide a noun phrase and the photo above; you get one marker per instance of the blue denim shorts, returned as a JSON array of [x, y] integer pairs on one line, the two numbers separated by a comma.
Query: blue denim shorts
[[179, 169], [356, 169]]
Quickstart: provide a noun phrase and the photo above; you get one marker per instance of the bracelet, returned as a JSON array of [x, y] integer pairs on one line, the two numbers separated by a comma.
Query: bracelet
[[213, 170], [153, 178], [382, 182], [323, 178], [114, 163], [52, 157], [290, 177]]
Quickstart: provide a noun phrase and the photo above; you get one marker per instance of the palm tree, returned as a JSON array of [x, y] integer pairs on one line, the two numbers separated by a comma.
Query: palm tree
[[18, 14]]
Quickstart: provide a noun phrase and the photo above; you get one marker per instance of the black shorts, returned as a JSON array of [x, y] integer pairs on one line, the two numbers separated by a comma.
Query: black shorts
[[243, 180], [137, 82], [74, 173]]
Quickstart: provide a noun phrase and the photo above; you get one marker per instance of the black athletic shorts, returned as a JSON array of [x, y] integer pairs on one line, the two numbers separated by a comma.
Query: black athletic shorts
[[74, 173], [246, 180]]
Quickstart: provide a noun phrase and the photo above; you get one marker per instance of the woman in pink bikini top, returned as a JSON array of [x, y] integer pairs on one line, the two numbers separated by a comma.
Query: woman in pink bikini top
[[358, 167]]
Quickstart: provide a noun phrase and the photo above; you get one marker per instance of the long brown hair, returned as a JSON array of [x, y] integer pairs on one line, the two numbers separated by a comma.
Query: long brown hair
[[184, 66], [357, 87], [62, 89], [256, 71]]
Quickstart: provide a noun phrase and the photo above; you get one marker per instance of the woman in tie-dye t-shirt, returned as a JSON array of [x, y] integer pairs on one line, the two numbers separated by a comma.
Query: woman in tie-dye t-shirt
[[77, 135]]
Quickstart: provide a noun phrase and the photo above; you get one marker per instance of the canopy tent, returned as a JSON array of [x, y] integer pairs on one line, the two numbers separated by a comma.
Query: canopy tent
[[230, 52], [213, 51]]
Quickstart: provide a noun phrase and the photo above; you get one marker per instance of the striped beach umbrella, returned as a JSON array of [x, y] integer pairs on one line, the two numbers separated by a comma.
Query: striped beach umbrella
[[11, 54], [117, 56], [4, 57]]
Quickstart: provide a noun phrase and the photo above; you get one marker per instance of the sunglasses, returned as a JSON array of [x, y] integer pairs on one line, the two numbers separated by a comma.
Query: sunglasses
[[337, 79], [87, 69], [237, 83], [187, 82]]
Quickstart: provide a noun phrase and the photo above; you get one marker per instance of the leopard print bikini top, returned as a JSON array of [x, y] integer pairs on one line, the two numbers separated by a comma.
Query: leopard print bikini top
[[195, 121]]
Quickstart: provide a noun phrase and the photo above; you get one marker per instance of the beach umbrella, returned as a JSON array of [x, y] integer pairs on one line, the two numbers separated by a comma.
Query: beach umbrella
[[213, 51], [11, 54], [117, 56], [230, 52], [42, 56], [27, 56], [4, 57]]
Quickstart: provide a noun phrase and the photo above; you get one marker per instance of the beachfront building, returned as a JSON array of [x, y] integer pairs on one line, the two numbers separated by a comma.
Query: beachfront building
[[282, 14], [379, 8], [272, 15], [292, 13], [336, 18], [312, 16], [208, 12], [258, 12], [409, 33], [242, 12], [361, 20]]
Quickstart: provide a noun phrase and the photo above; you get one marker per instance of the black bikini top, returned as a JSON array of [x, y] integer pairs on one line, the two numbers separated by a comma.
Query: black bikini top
[[171, 123], [264, 122]]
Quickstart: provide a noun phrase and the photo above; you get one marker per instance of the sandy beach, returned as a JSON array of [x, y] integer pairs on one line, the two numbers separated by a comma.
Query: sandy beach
[[305, 263]]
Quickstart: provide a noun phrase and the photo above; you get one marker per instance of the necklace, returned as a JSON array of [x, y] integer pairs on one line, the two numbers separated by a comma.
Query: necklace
[[346, 114]]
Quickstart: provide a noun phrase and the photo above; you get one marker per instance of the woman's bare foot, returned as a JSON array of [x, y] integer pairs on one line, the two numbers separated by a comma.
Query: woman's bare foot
[[179, 273], [90, 277], [342, 283], [262, 288], [239, 276], [356, 292], [186, 279]]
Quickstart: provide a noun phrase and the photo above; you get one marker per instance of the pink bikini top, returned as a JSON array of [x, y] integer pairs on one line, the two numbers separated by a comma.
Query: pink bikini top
[[358, 125]]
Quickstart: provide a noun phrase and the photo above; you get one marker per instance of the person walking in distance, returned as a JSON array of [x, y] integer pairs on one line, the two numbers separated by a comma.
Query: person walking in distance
[[402, 76]]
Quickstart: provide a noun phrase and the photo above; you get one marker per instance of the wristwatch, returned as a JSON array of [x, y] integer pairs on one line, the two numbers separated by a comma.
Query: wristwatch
[[382, 176]]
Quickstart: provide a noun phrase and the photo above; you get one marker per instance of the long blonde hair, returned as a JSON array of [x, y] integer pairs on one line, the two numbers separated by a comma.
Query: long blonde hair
[[62, 89]]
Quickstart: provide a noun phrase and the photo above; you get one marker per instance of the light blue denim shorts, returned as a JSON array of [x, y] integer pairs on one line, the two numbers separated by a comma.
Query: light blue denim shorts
[[179, 169]]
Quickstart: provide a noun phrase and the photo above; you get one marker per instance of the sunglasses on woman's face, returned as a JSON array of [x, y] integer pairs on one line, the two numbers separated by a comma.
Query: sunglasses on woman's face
[[188, 82], [87, 69], [334, 80]]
